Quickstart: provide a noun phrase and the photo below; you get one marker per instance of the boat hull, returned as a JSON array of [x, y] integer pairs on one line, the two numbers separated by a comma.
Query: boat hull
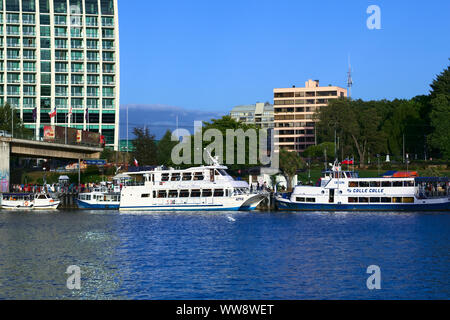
[[96, 206], [283, 204]]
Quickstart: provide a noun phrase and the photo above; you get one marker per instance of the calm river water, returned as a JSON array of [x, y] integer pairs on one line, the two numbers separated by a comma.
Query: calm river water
[[220, 255]]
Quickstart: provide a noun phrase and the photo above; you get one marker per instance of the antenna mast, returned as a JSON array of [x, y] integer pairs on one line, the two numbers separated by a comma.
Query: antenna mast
[[349, 78]]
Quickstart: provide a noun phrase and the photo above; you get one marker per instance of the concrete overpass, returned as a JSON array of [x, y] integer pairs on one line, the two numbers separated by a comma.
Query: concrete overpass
[[39, 149]]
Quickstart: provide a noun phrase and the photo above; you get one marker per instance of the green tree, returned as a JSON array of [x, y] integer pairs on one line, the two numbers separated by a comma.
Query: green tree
[[440, 120], [356, 123], [222, 125], [165, 146], [440, 113], [290, 163], [404, 120], [319, 150], [145, 150], [11, 117]]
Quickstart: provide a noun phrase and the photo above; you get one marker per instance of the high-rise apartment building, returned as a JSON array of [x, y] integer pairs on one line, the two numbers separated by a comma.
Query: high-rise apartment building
[[294, 113], [260, 114], [63, 56]]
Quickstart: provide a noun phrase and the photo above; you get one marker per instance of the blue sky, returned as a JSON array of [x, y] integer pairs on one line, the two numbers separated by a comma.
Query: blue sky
[[212, 55]]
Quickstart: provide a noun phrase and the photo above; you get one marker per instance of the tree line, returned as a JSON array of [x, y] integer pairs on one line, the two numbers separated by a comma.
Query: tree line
[[419, 126]]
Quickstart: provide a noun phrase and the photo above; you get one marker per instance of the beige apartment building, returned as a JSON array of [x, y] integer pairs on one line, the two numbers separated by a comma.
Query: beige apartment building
[[294, 110]]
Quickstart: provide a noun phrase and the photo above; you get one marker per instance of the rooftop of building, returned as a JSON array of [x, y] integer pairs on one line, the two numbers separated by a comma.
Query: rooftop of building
[[310, 85], [252, 107]]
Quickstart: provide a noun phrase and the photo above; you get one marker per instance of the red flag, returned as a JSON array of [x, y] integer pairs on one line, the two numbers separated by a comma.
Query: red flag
[[52, 114], [136, 163]]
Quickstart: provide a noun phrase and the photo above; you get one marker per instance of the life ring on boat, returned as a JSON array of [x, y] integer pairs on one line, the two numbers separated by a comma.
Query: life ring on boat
[[26, 203]]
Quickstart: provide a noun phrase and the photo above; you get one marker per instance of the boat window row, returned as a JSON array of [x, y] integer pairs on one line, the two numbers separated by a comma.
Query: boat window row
[[17, 197], [381, 200], [187, 176], [195, 193], [380, 184], [106, 198], [300, 199]]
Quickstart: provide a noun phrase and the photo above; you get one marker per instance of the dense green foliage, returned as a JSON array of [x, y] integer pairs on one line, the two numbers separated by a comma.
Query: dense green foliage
[[145, 150], [290, 163], [165, 146], [11, 117], [366, 128]]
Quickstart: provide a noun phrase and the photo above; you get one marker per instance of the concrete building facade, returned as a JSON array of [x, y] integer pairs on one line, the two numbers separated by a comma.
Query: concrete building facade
[[294, 110], [63, 56], [260, 114]]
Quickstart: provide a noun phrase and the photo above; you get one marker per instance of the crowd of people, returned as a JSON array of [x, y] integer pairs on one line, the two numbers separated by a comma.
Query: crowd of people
[[55, 188]]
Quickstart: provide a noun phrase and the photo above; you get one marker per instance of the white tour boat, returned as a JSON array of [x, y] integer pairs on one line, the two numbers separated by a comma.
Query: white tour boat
[[343, 190], [199, 188], [29, 201]]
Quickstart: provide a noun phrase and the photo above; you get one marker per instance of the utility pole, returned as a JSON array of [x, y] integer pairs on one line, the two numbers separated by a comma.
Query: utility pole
[[404, 148], [12, 121]]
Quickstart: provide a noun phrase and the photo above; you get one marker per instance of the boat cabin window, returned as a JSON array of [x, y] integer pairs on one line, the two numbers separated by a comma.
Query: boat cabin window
[[386, 184], [165, 177], [184, 193], [408, 183], [352, 199], [375, 200], [375, 184], [353, 184], [310, 199], [386, 200], [42, 197], [173, 193], [187, 176], [207, 193], [300, 199], [363, 200], [162, 194], [363, 184], [175, 177], [198, 176], [397, 184], [397, 200], [218, 193], [223, 172], [144, 195], [195, 193]]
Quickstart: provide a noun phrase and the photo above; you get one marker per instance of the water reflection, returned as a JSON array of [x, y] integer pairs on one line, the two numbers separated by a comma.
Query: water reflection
[[191, 255]]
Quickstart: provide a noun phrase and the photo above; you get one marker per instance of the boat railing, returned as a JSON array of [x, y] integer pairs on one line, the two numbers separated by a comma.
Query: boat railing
[[426, 194]]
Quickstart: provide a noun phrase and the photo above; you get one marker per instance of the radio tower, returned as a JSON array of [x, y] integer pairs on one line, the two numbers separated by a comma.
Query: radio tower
[[349, 79]]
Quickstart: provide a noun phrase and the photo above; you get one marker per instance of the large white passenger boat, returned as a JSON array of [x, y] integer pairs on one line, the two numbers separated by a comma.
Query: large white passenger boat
[[344, 190], [197, 189]]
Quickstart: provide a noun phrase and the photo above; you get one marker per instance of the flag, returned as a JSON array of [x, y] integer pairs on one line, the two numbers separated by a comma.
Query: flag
[[35, 114], [136, 163], [348, 161], [87, 115], [52, 114]]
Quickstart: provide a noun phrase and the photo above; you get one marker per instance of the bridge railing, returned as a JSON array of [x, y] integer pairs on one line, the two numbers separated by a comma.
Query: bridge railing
[[32, 137]]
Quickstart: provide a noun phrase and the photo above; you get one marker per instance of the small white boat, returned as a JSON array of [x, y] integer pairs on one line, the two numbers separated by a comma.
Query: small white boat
[[29, 201], [100, 198]]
